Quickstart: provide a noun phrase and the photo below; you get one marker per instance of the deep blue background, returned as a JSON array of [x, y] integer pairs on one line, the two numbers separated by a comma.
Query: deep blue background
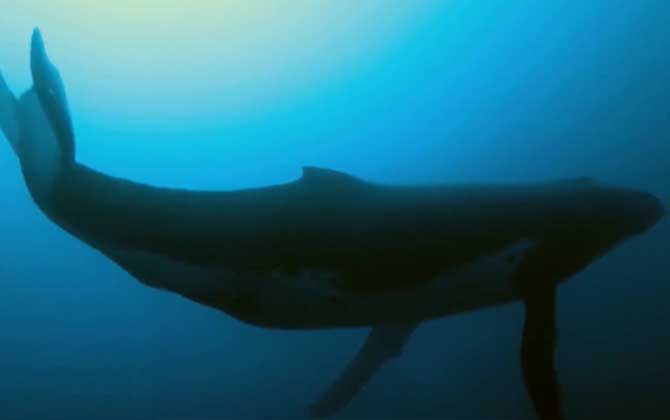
[[433, 91]]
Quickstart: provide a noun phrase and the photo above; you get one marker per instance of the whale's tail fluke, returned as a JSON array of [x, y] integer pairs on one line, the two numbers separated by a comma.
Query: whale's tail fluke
[[37, 124], [9, 115], [50, 90]]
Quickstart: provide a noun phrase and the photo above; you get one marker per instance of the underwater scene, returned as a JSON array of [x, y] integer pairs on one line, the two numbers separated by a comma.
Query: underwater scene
[[357, 209]]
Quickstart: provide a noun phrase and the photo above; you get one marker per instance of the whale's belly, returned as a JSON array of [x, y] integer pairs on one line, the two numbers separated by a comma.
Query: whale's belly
[[311, 298]]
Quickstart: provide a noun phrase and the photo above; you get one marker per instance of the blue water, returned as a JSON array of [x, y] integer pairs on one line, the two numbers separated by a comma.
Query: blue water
[[240, 94]]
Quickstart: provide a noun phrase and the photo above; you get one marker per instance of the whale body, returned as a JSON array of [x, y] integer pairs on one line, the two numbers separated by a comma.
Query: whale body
[[331, 250]]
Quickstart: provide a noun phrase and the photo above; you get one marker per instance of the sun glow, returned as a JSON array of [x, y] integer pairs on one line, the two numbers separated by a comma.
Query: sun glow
[[244, 50]]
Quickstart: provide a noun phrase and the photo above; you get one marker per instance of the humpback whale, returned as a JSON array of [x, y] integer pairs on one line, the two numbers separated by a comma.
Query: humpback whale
[[331, 250]]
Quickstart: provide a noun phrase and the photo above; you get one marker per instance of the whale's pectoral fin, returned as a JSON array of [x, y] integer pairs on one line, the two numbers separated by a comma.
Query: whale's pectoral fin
[[538, 350], [9, 115], [384, 343], [50, 90]]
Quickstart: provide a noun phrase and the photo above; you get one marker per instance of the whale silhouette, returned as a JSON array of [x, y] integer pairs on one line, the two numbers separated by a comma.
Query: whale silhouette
[[331, 250]]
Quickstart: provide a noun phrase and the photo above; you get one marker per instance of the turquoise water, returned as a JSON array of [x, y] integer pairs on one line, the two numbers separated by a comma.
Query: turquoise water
[[220, 95]]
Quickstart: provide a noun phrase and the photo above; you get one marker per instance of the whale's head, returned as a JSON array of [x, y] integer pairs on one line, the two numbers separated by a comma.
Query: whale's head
[[589, 211], [627, 212]]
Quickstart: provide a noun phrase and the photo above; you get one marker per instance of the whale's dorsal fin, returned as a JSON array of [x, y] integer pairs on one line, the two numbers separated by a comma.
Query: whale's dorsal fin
[[323, 177], [313, 173]]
